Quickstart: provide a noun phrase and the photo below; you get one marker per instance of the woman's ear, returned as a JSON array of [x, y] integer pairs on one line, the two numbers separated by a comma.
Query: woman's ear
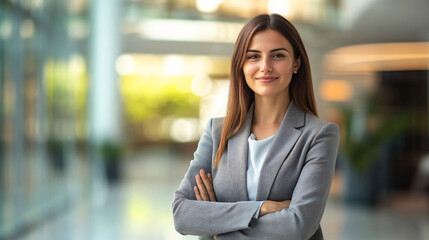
[[297, 63]]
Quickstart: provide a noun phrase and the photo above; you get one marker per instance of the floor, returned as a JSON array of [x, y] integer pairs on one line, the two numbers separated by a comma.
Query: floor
[[140, 208]]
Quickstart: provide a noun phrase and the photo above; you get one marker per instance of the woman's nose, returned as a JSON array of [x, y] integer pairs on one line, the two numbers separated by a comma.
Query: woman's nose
[[266, 65]]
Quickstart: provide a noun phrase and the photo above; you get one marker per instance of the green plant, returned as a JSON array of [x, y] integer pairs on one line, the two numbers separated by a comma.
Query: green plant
[[379, 127], [111, 151]]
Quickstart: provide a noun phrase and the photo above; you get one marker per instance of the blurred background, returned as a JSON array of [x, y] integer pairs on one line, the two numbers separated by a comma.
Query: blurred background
[[102, 103]]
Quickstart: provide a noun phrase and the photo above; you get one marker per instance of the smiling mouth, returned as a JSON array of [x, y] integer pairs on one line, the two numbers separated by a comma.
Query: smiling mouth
[[266, 79]]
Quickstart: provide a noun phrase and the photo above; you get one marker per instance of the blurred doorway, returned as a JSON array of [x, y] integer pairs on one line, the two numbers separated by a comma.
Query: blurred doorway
[[405, 92]]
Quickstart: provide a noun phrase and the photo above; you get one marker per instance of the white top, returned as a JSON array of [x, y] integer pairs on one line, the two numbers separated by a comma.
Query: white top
[[257, 152]]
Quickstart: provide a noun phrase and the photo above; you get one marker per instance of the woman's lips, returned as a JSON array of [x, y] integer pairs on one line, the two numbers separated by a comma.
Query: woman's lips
[[266, 79]]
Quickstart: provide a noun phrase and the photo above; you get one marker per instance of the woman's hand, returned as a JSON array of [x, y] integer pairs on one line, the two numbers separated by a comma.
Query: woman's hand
[[273, 206], [204, 189]]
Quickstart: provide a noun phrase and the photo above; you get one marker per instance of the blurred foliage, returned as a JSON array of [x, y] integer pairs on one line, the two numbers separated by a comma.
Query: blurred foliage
[[66, 93], [148, 96], [378, 130], [111, 151], [56, 73]]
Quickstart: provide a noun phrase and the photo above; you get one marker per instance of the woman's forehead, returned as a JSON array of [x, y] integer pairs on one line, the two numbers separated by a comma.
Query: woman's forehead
[[269, 39]]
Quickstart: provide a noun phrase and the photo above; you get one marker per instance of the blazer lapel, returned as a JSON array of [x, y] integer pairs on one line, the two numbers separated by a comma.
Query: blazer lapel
[[237, 157], [283, 143]]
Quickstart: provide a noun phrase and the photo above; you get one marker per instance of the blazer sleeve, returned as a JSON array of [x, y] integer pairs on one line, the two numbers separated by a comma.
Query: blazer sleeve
[[207, 218], [302, 218]]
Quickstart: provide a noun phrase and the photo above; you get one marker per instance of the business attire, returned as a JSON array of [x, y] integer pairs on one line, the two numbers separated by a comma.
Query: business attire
[[299, 166]]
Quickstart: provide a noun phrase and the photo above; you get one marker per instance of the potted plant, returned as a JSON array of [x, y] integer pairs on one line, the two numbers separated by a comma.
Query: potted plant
[[112, 153], [56, 154], [363, 140]]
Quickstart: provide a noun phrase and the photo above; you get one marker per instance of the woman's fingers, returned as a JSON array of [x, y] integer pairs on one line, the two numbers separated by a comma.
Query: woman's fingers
[[208, 183], [197, 194], [202, 189]]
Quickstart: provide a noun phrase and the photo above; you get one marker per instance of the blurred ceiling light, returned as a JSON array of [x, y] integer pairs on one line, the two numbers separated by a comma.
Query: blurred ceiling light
[[208, 6], [5, 29], [201, 85], [336, 90], [27, 29], [173, 65], [185, 130], [186, 30], [282, 7], [379, 57], [125, 64]]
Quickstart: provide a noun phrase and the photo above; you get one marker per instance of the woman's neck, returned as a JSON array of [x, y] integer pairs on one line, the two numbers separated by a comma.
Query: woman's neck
[[268, 115], [270, 110]]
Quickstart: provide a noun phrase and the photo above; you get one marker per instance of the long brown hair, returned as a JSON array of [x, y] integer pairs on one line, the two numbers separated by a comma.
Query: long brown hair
[[241, 96]]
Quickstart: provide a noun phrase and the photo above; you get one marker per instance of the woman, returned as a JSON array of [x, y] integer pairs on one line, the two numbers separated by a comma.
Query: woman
[[264, 170]]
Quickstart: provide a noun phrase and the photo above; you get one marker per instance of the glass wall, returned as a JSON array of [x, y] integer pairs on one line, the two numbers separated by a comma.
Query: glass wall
[[43, 87]]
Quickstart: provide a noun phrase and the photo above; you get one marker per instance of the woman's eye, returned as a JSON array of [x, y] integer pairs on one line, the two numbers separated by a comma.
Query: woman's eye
[[253, 57], [279, 56]]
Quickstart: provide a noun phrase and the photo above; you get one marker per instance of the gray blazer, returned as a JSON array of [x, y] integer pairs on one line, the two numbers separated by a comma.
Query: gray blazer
[[299, 166]]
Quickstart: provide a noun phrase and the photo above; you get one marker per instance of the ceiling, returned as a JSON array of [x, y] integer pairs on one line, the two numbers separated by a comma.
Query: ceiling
[[380, 21], [389, 21]]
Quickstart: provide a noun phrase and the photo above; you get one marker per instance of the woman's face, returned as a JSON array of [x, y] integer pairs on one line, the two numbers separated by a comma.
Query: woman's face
[[270, 64]]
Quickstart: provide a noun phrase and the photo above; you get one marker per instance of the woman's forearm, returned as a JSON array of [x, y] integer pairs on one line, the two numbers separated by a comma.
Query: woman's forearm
[[207, 218]]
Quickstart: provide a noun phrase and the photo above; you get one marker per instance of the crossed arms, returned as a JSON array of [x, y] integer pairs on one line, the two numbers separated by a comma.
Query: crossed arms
[[196, 211], [204, 192]]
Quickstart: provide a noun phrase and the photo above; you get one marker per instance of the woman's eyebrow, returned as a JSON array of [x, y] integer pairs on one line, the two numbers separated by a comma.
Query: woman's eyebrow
[[272, 50], [278, 49]]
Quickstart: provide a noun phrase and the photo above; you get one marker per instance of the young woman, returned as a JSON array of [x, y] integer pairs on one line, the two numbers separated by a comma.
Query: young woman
[[264, 170]]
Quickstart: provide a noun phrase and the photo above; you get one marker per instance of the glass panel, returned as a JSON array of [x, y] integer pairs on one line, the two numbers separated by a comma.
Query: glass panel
[[43, 81]]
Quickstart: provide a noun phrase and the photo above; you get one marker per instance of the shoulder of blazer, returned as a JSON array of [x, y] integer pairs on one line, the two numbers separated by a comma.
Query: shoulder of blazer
[[315, 124], [217, 125], [216, 130]]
